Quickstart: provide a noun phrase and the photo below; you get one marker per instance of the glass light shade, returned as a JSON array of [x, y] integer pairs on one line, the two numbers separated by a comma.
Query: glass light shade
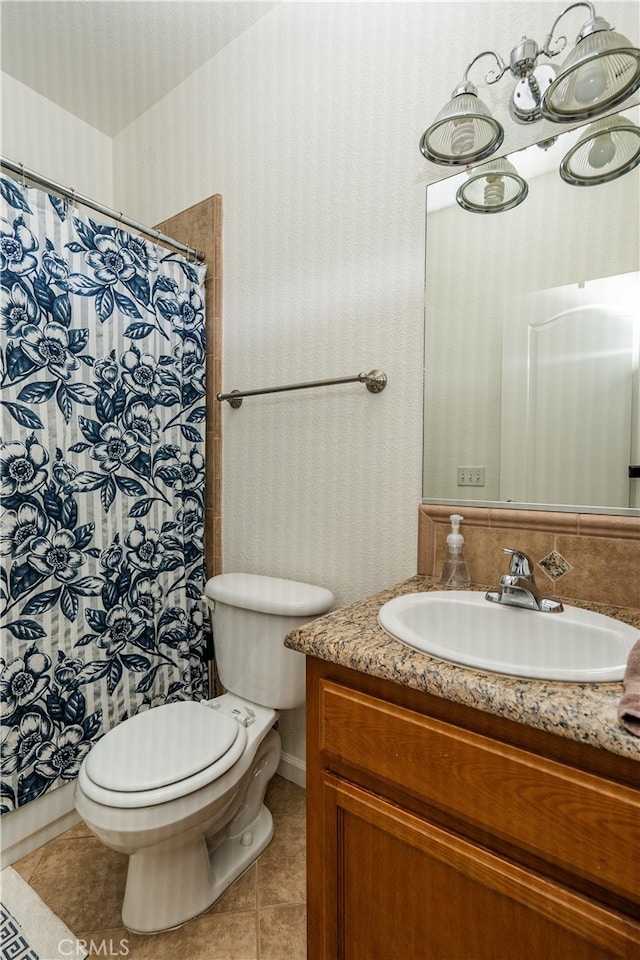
[[463, 132], [601, 71], [492, 188], [608, 149]]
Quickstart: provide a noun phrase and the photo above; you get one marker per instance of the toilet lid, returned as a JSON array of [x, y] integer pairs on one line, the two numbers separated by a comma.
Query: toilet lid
[[160, 746]]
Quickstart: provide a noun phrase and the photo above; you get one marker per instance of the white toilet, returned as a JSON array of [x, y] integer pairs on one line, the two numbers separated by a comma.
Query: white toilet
[[180, 788]]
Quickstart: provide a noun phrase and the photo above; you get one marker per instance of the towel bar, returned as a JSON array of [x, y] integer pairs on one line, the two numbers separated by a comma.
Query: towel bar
[[375, 382]]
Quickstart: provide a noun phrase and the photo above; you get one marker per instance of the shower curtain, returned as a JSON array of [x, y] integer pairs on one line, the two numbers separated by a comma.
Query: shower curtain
[[102, 353]]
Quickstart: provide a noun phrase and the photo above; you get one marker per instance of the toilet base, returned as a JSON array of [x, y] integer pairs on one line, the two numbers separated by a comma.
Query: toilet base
[[154, 901], [173, 882]]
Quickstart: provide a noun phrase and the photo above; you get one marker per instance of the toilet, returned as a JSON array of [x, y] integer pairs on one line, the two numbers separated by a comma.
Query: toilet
[[180, 787]]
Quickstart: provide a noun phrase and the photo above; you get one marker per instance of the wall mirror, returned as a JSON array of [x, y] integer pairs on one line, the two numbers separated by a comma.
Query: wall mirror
[[532, 342]]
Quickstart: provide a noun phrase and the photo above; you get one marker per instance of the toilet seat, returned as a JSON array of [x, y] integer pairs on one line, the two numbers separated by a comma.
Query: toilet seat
[[161, 754]]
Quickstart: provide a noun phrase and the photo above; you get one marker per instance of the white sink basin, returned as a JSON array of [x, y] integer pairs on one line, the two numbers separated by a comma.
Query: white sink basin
[[463, 627]]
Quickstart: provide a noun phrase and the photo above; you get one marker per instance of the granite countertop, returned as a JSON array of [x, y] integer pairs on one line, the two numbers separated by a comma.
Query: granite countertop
[[586, 712]]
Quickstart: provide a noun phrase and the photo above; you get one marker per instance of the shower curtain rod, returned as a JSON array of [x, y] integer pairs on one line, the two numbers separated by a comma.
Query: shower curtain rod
[[69, 194]]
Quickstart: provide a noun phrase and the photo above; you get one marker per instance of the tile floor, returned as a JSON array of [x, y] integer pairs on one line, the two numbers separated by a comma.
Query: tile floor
[[262, 916]]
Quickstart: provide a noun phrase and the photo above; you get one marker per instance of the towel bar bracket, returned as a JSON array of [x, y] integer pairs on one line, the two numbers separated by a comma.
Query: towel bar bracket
[[375, 382], [234, 402]]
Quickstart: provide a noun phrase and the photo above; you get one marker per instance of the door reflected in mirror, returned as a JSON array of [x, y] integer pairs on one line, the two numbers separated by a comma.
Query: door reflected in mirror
[[532, 342]]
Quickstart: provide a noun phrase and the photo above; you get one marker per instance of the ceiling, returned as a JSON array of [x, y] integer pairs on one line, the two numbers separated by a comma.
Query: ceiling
[[108, 61]]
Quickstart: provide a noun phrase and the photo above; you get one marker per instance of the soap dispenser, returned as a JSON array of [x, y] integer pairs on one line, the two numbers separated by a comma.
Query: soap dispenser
[[455, 572]]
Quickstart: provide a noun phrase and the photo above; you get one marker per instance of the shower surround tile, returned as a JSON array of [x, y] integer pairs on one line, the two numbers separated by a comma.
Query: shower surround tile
[[200, 226]]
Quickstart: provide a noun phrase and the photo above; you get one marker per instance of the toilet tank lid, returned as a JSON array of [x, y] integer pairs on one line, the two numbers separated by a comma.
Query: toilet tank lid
[[269, 594]]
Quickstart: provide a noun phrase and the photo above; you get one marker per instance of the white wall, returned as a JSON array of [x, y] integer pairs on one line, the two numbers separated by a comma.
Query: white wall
[[54, 143], [301, 124], [308, 124]]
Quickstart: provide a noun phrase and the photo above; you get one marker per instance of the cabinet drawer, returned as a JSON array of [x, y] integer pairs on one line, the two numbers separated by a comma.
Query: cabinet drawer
[[576, 821]]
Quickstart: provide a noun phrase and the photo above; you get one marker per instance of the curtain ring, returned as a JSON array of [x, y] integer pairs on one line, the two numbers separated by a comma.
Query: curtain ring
[[23, 179]]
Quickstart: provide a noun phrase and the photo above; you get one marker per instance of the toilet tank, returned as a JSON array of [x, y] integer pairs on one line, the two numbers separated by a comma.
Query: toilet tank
[[251, 616]]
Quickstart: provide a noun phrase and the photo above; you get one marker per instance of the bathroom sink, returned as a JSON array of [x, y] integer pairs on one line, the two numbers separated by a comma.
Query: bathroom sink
[[462, 627]]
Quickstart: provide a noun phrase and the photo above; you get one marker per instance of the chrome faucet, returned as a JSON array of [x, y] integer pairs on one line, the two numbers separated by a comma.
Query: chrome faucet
[[518, 588]]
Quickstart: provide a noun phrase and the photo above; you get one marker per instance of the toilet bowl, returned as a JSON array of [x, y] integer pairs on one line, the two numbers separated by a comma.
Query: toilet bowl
[[180, 788]]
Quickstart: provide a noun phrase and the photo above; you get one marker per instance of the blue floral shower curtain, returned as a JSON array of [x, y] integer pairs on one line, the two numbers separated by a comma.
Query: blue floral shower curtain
[[102, 356]]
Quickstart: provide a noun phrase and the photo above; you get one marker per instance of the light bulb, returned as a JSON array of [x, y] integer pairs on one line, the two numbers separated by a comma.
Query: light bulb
[[463, 138], [591, 82], [602, 151], [493, 190]]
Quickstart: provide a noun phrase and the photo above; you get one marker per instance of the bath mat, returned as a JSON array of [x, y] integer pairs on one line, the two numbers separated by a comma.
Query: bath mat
[[28, 929]]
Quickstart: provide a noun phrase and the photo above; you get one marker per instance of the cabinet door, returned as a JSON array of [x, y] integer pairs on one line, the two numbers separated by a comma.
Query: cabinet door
[[400, 887], [578, 823]]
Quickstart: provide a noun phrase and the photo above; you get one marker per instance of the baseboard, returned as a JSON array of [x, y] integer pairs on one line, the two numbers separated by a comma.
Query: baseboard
[[28, 827], [293, 769]]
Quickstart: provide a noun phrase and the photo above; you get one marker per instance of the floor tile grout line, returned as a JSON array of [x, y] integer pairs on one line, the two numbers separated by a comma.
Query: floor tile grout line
[[258, 943]]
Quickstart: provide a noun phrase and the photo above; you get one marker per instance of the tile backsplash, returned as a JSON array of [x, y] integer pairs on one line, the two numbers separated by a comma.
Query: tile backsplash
[[580, 556]]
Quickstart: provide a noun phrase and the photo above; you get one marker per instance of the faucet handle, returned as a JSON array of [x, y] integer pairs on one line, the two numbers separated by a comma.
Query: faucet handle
[[520, 564]]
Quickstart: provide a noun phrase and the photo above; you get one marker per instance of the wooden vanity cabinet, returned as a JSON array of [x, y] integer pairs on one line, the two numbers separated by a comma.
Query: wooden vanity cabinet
[[440, 832]]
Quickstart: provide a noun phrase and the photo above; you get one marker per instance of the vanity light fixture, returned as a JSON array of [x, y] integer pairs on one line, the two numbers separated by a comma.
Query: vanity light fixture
[[464, 131], [601, 71], [492, 188], [609, 148]]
